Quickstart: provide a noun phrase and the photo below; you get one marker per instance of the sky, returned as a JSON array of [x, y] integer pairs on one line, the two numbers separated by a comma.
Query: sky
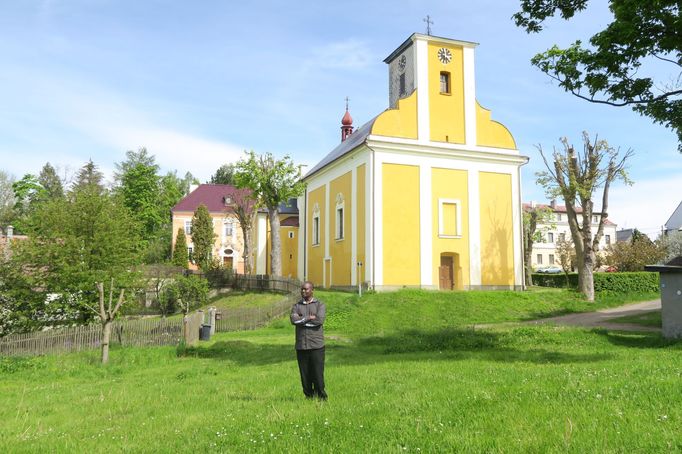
[[198, 83]]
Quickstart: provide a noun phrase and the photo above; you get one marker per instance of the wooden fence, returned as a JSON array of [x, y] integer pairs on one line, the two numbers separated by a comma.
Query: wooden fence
[[143, 332], [154, 331]]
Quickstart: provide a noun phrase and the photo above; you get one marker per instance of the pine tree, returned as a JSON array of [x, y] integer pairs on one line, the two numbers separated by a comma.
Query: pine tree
[[180, 256], [51, 182], [89, 177], [202, 236]]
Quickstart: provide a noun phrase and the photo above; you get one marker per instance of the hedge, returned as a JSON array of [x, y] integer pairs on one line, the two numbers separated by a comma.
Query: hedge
[[626, 282]]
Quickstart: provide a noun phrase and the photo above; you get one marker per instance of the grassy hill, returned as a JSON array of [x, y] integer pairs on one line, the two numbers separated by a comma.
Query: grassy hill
[[406, 372]]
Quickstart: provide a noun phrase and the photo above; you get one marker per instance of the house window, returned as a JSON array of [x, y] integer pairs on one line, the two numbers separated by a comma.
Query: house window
[[402, 84], [445, 82], [550, 237], [228, 228], [607, 238], [539, 259], [316, 229], [562, 237], [595, 219], [551, 259], [340, 206], [190, 253], [339, 223], [449, 218], [558, 217], [188, 227]]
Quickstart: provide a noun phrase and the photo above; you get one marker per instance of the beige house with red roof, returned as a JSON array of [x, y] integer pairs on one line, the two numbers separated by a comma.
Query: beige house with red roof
[[544, 252], [229, 240]]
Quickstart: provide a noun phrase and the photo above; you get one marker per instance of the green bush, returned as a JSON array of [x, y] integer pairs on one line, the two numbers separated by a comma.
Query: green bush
[[634, 282], [555, 280], [628, 282]]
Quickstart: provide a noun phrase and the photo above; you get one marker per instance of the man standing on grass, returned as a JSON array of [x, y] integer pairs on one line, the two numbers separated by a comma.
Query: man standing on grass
[[308, 317]]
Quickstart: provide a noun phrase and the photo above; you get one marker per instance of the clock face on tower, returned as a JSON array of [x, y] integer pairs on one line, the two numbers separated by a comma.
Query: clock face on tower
[[444, 55], [401, 63]]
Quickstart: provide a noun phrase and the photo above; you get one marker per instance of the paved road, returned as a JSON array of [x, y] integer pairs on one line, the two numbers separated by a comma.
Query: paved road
[[601, 318]]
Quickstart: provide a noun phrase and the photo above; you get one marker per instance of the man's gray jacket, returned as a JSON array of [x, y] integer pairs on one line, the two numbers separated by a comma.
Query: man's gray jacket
[[309, 333]]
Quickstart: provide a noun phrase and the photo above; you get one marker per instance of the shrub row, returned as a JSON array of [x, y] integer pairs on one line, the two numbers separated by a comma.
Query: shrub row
[[635, 282]]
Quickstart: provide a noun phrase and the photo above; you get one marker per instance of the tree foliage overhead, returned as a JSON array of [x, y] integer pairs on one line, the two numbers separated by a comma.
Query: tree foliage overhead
[[273, 182], [613, 68], [575, 176]]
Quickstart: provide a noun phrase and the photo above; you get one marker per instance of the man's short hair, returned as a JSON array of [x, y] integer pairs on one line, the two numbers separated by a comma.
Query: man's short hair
[[312, 286]]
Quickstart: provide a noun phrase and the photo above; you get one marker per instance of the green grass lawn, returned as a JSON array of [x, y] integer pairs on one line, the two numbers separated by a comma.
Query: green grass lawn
[[406, 372]]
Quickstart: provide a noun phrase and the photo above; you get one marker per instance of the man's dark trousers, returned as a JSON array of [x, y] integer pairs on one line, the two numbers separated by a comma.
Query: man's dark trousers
[[311, 366]]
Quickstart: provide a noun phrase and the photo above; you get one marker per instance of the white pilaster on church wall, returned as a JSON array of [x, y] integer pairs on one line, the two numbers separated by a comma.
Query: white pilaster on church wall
[[302, 257], [422, 84], [474, 228], [262, 229], [469, 97], [425, 226], [517, 226], [354, 227], [377, 204], [368, 266]]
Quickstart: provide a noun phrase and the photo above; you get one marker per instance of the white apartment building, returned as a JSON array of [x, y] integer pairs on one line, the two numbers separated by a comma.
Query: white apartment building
[[544, 252]]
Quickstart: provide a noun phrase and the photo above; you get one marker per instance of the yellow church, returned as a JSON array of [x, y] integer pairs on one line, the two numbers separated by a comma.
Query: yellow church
[[426, 194]]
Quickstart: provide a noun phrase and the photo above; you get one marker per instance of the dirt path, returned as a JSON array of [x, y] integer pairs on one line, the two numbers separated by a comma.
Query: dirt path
[[601, 318]]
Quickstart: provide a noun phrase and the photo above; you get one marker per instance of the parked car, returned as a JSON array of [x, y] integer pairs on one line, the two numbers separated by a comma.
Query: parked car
[[551, 269]]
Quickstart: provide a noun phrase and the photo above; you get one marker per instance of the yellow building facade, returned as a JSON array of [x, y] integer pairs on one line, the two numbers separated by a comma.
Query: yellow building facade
[[426, 194]]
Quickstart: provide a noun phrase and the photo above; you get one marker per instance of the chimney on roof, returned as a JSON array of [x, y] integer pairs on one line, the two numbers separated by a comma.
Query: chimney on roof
[[553, 203]]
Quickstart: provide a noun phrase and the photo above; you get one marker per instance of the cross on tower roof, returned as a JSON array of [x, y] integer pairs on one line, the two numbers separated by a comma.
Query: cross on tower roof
[[347, 99], [429, 22]]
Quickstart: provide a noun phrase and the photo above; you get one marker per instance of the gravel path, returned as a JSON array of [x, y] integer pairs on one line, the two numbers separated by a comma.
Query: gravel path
[[601, 318]]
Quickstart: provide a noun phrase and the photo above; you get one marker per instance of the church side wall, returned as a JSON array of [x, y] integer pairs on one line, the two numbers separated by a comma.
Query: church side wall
[[497, 240], [401, 226]]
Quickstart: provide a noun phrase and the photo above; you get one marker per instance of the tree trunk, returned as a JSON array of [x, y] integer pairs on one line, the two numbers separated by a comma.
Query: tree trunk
[[106, 336], [247, 250], [586, 276], [276, 250], [528, 268]]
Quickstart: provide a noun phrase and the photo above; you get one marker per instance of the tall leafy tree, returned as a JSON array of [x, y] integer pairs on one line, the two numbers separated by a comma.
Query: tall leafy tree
[[73, 244], [224, 175], [28, 193], [51, 182], [614, 68], [575, 176], [138, 183], [89, 177], [7, 199], [180, 256], [635, 254], [203, 236], [531, 218], [273, 182], [245, 207], [672, 245]]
